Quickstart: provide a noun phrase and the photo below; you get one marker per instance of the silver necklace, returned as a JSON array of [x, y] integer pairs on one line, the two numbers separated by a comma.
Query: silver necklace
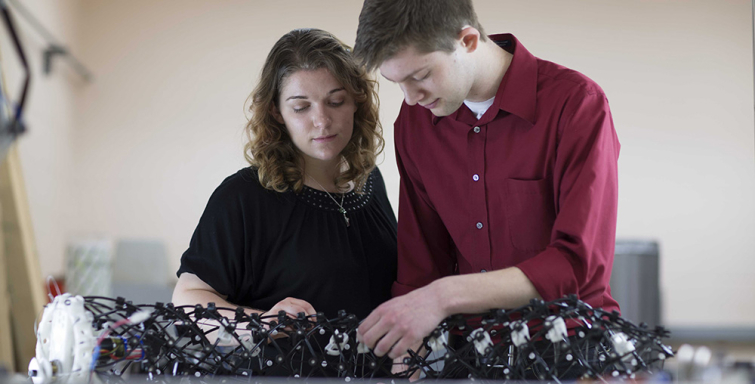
[[341, 209]]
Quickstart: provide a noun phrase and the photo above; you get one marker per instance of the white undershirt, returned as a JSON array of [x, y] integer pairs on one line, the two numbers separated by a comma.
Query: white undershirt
[[479, 108]]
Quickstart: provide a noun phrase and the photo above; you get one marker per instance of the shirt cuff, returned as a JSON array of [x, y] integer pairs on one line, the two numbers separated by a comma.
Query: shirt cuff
[[551, 273]]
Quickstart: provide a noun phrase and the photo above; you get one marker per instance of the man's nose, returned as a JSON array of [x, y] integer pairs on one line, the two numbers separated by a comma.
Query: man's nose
[[412, 95]]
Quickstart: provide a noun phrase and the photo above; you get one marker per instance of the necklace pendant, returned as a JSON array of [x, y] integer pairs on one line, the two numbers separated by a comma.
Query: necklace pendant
[[342, 210]]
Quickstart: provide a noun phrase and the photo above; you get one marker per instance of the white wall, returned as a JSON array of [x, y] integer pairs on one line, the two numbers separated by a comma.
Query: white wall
[[679, 77], [161, 125], [46, 150]]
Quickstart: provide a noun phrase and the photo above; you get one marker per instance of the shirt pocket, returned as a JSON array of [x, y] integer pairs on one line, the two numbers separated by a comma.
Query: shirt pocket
[[530, 213]]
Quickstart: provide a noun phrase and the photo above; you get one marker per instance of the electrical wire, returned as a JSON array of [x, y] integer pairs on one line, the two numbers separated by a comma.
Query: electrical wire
[[201, 341]]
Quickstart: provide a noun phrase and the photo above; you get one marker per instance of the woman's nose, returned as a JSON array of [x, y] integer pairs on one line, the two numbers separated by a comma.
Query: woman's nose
[[321, 118]]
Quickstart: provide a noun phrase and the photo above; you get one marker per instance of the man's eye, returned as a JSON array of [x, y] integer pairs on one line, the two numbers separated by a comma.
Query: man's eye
[[423, 77]]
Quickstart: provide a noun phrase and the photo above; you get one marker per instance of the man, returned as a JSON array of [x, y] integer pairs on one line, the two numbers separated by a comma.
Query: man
[[508, 168]]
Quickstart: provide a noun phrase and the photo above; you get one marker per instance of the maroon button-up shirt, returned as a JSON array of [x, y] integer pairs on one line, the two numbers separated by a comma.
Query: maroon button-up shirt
[[531, 184]]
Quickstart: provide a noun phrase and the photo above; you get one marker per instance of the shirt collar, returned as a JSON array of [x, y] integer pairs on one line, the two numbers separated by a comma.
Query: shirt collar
[[517, 93]]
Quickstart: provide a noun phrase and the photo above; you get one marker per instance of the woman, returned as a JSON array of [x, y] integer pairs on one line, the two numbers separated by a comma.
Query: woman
[[308, 227]]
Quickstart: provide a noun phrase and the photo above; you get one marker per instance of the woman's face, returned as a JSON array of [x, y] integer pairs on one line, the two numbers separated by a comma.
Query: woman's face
[[318, 113]]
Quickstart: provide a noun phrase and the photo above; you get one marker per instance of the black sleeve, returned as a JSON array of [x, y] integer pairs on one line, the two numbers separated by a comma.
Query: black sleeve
[[382, 195], [216, 252]]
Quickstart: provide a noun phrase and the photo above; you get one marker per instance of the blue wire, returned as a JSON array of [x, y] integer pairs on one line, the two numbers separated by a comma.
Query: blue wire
[[95, 356]]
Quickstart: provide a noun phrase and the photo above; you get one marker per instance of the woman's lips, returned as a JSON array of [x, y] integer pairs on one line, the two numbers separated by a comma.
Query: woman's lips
[[323, 139]]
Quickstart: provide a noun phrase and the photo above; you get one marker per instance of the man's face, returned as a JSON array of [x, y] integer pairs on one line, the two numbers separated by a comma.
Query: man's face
[[438, 81]]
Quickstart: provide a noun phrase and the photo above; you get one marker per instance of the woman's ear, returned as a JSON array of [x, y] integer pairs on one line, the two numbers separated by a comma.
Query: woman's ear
[[276, 114]]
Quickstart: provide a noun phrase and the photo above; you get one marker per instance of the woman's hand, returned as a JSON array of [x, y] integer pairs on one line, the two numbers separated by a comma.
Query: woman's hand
[[292, 307]]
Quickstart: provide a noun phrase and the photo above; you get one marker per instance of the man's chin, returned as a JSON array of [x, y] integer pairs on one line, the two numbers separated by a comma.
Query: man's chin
[[443, 110]]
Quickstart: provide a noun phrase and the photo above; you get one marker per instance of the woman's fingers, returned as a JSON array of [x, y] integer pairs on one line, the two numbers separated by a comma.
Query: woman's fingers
[[293, 307], [305, 307]]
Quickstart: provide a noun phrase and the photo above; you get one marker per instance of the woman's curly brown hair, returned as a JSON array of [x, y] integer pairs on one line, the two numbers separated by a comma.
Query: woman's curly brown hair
[[270, 148]]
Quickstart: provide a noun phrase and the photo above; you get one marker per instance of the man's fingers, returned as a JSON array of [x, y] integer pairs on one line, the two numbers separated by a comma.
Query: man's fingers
[[373, 336], [367, 325], [387, 342], [403, 345], [398, 365]]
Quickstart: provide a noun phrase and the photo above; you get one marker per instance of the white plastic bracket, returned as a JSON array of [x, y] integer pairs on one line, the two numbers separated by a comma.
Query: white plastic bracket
[[481, 344], [520, 333], [556, 329], [333, 348]]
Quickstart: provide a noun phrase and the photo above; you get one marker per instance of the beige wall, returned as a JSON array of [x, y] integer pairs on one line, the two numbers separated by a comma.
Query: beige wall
[[47, 149], [138, 152], [679, 76]]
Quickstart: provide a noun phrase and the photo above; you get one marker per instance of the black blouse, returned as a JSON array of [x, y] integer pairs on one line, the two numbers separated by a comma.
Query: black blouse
[[259, 246]]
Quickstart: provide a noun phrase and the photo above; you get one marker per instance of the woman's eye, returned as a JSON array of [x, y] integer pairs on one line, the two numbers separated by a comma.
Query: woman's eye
[[336, 103], [300, 109]]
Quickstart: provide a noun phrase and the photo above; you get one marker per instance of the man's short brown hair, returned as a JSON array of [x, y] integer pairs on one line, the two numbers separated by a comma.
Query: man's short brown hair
[[387, 26]]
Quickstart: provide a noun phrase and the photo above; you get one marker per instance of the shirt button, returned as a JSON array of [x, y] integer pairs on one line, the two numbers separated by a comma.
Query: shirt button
[[483, 270], [475, 177], [479, 225], [476, 129]]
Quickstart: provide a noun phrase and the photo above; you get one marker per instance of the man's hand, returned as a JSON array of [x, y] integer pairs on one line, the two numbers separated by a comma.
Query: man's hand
[[401, 323], [399, 366]]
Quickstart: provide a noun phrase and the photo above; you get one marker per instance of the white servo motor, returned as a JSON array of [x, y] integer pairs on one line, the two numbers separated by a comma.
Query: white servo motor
[[65, 341]]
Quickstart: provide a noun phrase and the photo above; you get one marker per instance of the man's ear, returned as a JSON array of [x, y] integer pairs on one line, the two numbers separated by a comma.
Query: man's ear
[[276, 114], [469, 37]]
